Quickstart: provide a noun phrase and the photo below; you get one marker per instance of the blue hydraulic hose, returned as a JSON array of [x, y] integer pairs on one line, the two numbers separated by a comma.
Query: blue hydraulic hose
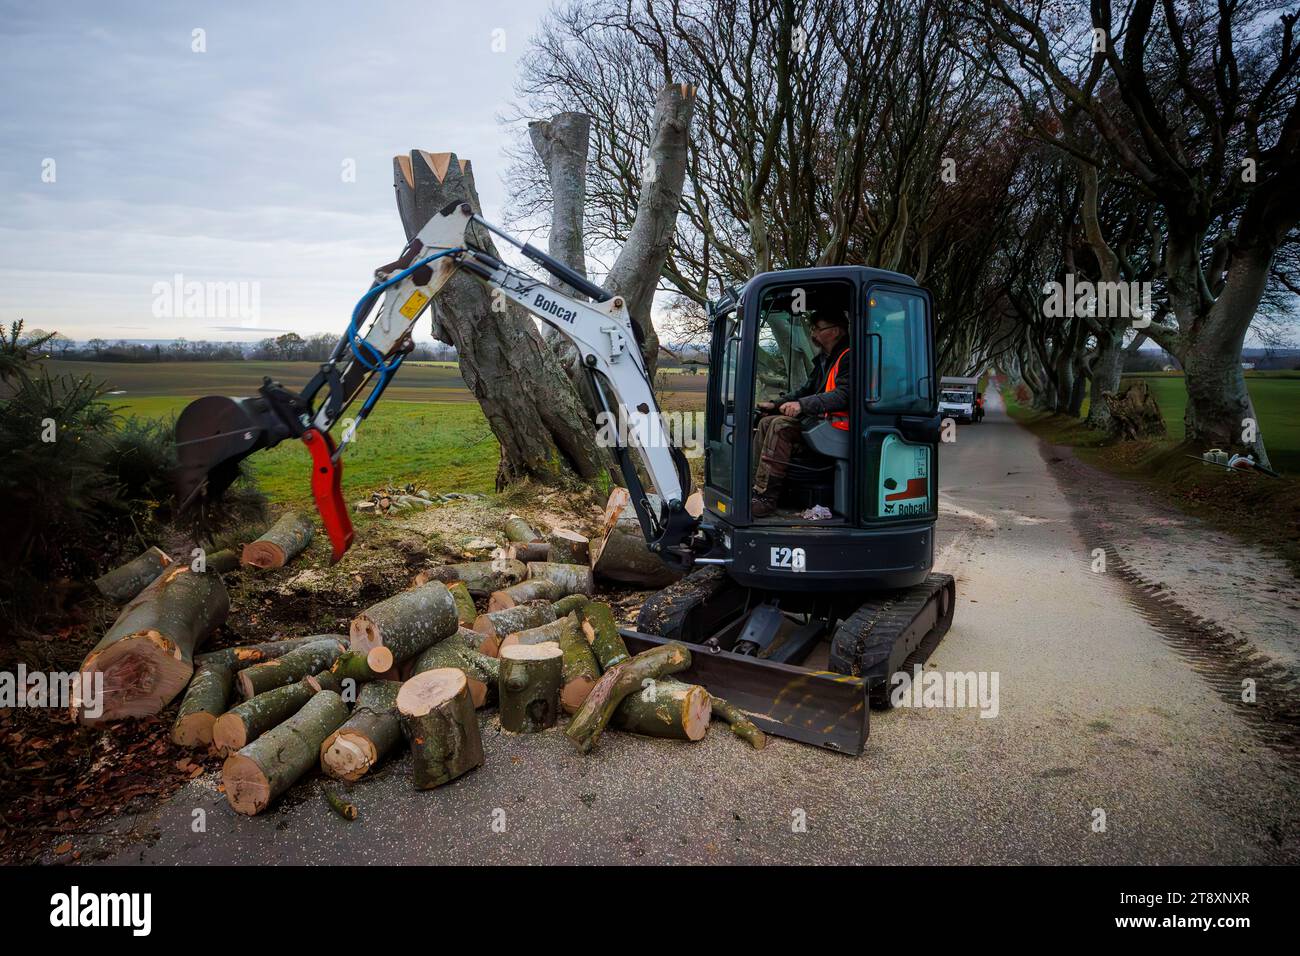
[[354, 339]]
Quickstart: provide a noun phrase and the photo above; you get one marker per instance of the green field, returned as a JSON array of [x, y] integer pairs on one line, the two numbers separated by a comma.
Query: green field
[[1277, 403], [427, 430]]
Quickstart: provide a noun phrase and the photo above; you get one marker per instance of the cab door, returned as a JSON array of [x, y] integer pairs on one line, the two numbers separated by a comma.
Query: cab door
[[900, 424]]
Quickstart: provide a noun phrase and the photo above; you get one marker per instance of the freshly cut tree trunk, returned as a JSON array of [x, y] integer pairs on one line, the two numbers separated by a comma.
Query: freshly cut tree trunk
[[465, 609], [580, 670], [311, 658], [439, 722], [529, 551], [553, 632], [568, 547], [147, 656], [246, 722], [496, 625], [286, 540], [123, 583], [520, 531], [405, 624], [574, 578], [620, 553], [603, 636], [481, 577], [372, 731], [668, 709], [616, 683], [525, 591], [480, 670], [741, 726], [529, 691], [268, 766], [567, 605], [204, 700], [354, 666]]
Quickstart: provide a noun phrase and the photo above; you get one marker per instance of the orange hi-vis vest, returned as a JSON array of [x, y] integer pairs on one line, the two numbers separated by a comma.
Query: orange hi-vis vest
[[838, 420]]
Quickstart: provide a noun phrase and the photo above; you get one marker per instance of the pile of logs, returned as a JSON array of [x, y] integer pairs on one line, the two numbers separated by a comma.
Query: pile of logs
[[526, 637]]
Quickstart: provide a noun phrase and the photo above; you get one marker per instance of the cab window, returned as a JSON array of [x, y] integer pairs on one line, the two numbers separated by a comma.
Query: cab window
[[902, 381]]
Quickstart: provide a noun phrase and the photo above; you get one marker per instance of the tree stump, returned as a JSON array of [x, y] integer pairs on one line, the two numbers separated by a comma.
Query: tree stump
[[374, 728], [285, 540], [123, 583], [268, 766], [529, 689], [439, 722], [1134, 412]]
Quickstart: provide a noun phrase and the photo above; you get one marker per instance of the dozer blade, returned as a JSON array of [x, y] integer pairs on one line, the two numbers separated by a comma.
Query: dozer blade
[[213, 435], [813, 707]]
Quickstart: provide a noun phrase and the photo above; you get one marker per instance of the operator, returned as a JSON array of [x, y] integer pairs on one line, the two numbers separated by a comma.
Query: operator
[[824, 396]]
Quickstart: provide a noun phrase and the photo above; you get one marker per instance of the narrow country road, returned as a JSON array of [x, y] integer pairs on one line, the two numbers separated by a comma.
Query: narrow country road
[[1100, 719]]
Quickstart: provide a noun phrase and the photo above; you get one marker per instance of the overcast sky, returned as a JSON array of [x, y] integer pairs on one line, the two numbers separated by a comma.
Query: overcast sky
[[228, 165]]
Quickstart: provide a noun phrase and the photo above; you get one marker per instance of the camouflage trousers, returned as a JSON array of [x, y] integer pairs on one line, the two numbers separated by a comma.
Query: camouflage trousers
[[778, 437]]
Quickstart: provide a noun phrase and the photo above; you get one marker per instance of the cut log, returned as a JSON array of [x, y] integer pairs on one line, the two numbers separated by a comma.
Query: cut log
[[529, 688], [123, 583], [741, 725], [311, 658], [553, 631], [245, 722], [666, 708], [495, 625], [147, 656], [520, 531], [374, 729], [620, 553], [602, 634], [204, 701], [268, 766], [568, 547], [529, 551], [405, 624], [480, 670], [354, 666], [465, 609], [567, 605], [285, 540], [580, 669], [574, 578], [439, 722], [237, 658], [481, 577], [525, 591], [616, 683]]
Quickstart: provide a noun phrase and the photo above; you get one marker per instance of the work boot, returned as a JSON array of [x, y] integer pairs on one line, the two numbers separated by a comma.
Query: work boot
[[762, 506]]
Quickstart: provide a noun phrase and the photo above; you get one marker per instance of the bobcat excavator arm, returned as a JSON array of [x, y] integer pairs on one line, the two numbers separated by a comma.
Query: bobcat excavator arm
[[214, 434]]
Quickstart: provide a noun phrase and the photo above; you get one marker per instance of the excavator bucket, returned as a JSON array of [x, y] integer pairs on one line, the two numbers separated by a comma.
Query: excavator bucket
[[213, 435]]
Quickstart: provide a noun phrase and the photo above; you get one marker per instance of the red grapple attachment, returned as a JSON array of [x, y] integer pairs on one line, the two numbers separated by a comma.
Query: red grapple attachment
[[326, 476]]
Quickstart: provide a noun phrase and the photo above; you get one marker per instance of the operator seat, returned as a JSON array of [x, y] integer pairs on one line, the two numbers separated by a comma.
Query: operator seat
[[833, 443]]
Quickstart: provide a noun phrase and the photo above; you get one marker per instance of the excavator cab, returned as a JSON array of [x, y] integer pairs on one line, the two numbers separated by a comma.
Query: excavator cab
[[832, 593]]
